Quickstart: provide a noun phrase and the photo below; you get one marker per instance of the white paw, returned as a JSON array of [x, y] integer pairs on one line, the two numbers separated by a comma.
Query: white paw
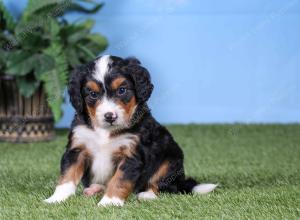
[[148, 195], [114, 201], [54, 199], [62, 192], [204, 188]]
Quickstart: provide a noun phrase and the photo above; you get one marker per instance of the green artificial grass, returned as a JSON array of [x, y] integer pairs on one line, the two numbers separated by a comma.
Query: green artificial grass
[[257, 167]]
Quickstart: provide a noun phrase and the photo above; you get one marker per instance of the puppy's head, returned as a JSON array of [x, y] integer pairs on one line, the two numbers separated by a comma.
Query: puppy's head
[[109, 90]]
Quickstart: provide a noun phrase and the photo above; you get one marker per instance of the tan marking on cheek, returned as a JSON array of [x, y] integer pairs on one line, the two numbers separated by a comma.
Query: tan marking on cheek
[[93, 86], [158, 175], [118, 187], [128, 107], [92, 111], [117, 82]]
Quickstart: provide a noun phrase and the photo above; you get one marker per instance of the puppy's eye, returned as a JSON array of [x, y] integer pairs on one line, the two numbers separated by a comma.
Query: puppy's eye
[[121, 91], [93, 95]]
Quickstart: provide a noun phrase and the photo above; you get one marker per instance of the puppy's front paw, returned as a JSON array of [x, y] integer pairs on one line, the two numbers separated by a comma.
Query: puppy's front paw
[[54, 199], [114, 201], [62, 192]]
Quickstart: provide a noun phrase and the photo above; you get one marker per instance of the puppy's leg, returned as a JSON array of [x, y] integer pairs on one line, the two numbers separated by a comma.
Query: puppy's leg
[[118, 189], [153, 188], [121, 184], [72, 169]]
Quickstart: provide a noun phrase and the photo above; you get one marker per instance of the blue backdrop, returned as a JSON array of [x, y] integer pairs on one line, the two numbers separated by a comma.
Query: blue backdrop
[[211, 60]]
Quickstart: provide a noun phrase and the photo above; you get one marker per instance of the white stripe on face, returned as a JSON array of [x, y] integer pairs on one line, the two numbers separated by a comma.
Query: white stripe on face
[[101, 68]]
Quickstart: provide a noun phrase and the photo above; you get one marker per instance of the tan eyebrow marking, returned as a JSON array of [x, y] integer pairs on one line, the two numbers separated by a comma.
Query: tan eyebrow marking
[[117, 82], [93, 86]]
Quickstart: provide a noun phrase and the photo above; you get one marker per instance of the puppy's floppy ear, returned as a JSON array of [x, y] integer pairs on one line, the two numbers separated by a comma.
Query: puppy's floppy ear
[[141, 79], [74, 89]]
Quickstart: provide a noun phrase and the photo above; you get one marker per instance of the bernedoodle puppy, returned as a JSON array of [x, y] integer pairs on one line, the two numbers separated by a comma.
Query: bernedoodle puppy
[[115, 145]]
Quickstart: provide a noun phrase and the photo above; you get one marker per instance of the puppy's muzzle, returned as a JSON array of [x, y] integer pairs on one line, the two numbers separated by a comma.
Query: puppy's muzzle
[[110, 117]]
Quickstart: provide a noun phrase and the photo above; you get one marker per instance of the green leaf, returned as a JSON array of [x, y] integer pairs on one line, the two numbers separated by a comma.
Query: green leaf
[[25, 28], [43, 64], [99, 40], [34, 6], [34, 43], [75, 7], [77, 31], [55, 80], [96, 45], [27, 86], [77, 36], [72, 55], [6, 18], [87, 24], [46, 46], [54, 28], [29, 37], [57, 8], [87, 51], [20, 63]]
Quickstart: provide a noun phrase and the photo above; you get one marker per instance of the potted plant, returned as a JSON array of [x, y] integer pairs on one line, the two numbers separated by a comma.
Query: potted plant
[[37, 53]]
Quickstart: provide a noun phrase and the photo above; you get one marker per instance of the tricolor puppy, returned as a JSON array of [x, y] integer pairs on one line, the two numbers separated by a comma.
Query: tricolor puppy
[[115, 145]]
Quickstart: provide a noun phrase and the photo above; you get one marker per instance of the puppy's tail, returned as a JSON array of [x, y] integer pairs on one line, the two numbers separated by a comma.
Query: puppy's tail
[[190, 185]]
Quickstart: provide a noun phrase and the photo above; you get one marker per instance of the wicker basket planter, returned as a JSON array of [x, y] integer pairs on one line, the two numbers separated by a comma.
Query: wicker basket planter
[[23, 119]]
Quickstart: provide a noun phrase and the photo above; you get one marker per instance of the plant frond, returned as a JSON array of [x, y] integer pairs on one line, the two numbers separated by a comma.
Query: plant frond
[[6, 19], [57, 8], [35, 6], [55, 80]]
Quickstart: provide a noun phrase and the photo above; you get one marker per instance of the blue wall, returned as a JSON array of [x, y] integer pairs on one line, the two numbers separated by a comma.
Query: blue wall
[[211, 61]]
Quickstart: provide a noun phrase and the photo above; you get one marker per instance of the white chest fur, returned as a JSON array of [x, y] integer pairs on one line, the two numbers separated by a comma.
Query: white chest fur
[[102, 147]]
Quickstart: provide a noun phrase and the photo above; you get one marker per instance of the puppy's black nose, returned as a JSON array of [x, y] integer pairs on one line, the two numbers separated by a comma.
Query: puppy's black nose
[[110, 117]]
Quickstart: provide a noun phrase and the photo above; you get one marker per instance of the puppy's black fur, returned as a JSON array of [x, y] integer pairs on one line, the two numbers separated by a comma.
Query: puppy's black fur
[[155, 145]]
